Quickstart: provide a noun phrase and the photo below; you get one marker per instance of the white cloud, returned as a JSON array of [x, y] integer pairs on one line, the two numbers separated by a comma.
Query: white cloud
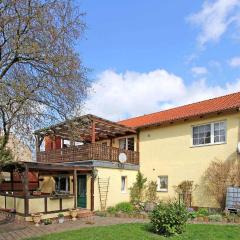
[[117, 96], [234, 62], [214, 19], [199, 71]]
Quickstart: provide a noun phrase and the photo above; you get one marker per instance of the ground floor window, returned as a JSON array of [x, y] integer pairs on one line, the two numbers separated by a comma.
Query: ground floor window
[[163, 183], [123, 184], [62, 184]]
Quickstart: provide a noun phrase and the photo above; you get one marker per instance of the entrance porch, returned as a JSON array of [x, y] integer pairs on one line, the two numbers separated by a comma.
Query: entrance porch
[[57, 189]]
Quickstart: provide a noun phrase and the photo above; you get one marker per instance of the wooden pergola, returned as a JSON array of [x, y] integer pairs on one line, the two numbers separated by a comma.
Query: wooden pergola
[[45, 169], [88, 128]]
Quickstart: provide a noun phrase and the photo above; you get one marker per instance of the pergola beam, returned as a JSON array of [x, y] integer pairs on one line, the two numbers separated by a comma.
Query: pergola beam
[[87, 128]]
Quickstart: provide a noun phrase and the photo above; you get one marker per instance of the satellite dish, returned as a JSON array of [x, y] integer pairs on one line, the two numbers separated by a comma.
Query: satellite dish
[[122, 157], [238, 147]]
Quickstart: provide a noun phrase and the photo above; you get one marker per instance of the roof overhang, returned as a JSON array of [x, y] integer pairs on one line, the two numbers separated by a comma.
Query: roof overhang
[[189, 118], [45, 167]]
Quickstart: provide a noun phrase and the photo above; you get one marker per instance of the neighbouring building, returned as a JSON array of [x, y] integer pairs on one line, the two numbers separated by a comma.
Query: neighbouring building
[[94, 166], [20, 151]]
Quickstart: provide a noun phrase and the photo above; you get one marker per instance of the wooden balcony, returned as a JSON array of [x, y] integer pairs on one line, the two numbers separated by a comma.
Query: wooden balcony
[[86, 152]]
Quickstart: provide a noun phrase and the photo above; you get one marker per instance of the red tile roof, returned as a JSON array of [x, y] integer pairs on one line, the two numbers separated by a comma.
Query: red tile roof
[[215, 105]]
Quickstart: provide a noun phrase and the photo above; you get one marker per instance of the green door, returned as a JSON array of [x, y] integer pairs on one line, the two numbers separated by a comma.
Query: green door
[[81, 191]]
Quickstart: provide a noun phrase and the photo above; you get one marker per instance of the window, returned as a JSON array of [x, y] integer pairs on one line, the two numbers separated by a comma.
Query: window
[[126, 143], [123, 184], [62, 183], [122, 143], [209, 133], [130, 144], [163, 183]]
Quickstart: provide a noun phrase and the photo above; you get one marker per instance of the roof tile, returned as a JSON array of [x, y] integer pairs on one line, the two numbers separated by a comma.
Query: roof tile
[[218, 104]]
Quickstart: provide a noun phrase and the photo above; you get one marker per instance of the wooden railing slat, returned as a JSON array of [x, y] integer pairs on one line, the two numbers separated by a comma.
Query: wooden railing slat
[[87, 152]]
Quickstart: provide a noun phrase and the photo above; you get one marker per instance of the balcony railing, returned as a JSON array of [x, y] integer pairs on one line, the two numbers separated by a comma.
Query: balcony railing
[[87, 152]]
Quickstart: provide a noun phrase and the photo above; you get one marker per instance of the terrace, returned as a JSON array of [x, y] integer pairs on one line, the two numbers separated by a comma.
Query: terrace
[[85, 138]]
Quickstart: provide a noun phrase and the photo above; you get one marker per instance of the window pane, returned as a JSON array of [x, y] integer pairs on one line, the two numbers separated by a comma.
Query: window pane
[[123, 183], [222, 125], [216, 126], [222, 139], [195, 130], [195, 141], [163, 182], [122, 144], [202, 134], [220, 132], [216, 139], [207, 140], [201, 129], [62, 183], [131, 144], [201, 140]]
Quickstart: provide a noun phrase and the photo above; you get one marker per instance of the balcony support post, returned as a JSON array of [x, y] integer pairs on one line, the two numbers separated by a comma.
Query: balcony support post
[[26, 190], [75, 187], [93, 132]]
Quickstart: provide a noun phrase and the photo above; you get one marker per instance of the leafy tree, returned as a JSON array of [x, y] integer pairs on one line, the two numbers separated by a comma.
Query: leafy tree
[[42, 79]]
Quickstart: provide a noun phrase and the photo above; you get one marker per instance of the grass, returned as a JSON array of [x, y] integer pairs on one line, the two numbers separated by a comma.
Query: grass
[[140, 231]]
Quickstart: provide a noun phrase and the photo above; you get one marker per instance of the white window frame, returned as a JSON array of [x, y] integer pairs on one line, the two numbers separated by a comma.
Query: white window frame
[[158, 184], [212, 134], [126, 142], [125, 184]]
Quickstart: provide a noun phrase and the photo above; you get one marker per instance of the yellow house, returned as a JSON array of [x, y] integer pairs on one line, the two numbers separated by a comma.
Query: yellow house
[[179, 144], [95, 160]]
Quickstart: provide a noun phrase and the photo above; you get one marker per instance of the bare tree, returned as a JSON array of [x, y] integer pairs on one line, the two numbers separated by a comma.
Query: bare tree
[[41, 75]]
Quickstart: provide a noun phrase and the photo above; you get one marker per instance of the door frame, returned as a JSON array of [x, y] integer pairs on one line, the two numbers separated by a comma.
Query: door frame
[[78, 177]]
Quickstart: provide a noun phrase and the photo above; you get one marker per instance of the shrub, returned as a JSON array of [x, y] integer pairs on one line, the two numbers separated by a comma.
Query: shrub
[[202, 212], [47, 221], [220, 175], [137, 191], [151, 192], [124, 207], [185, 190], [60, 215], [215, 218], [111, 210], [192, 214], [169, 218]]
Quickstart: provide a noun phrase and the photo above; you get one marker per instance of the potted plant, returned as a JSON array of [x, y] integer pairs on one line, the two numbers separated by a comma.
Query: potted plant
[[36, 218], [73, 213], [60, 218], [47, 221]]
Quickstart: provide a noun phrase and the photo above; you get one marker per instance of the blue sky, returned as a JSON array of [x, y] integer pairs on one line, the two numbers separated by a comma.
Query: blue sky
[[194, 46]]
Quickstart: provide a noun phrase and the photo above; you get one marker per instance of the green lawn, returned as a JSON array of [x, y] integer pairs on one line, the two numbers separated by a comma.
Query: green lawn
[[139, 231]]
